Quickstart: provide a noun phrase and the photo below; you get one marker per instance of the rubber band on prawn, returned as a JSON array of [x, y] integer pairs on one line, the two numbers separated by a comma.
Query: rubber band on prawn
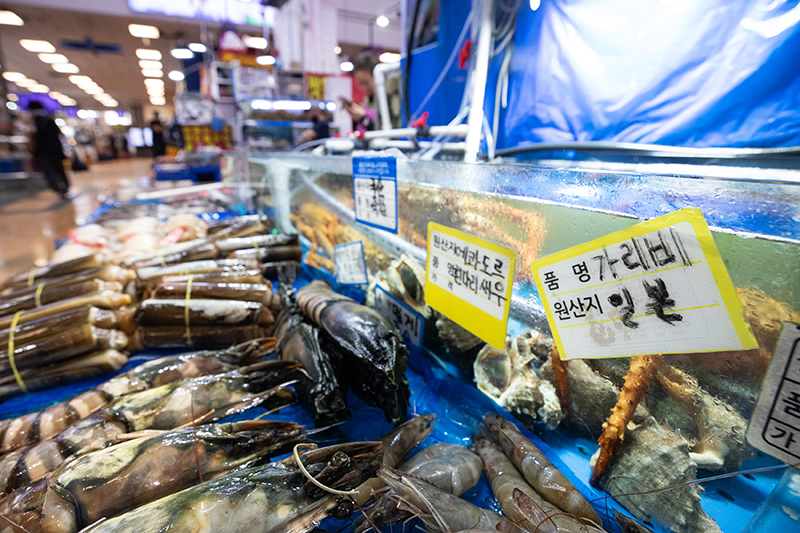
[[311, 478]]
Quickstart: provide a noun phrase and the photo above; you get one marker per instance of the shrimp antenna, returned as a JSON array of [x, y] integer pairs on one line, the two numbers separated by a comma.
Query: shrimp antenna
[[314, 481]]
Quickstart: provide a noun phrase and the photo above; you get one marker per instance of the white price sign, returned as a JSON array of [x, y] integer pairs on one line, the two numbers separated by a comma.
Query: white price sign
[[775, 425], [657, 287], [410, 323], [351, 268], [375, 192]]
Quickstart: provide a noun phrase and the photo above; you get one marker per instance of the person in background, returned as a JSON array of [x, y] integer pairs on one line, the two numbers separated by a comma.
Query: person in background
[[320, 129], [159, 143], [47, 150], [364, 115]]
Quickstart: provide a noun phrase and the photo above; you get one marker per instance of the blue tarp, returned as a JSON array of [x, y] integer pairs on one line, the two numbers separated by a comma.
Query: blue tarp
[[714, 73]]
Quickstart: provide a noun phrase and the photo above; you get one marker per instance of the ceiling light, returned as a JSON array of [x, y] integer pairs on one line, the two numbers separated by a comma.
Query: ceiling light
[[337, 50], [37, 46], [346, 66], [176, 75], [259, 43], [144, 31], [291, 105], [13, 97], [152, 73], [26, 83], [14, 76], [265, 60], [77, 80], [154, 82], [197, 47], [53, 58], [110, 103], [382, 21], [155, 90], [182, 53], [39, 88], [82, 113], [12, 106], [9, 18], [55, 95], [156, 94], [66, 68], [149, 63], [143, 53], [92, 90], [88, 86], [158, 102], [389, 57]]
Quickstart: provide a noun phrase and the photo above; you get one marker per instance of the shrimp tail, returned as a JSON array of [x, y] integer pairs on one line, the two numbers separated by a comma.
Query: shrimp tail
[[638, 378]]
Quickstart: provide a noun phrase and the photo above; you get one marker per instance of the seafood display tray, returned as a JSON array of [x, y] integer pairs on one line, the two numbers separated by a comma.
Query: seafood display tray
[[459, 407]]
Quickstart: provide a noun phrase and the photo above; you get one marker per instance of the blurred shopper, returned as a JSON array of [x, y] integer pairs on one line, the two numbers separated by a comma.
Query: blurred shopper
[[47, 150], [159, 143], [320, 129], [364, 114]]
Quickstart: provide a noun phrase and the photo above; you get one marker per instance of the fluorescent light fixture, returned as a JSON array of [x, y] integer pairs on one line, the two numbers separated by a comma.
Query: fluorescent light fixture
[[39, 88], [12, 97], [346, 66], [78, 80], [82, 113], [176, 75], [291, 105], [9, 18], [265, 60], [152, 73], [154, 82], [264, 105], [26, 83], [55, 95], [53, 58], [389, 57], [92, 90], [337, 50], [66, 68], [331, 106], [144, 31], [535, 4], [197, 47], [382, 21], [144, 53], [102, 96], [14, 76], [150, 64], [259, 43], [158, 102], [110, 103], [181, 53], [32, 45], [155, 90]]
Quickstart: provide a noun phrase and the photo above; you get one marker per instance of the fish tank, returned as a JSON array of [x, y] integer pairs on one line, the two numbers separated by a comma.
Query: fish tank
[[684, 463]]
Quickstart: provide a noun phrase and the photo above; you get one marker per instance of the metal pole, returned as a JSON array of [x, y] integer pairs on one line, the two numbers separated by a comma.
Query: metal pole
[[479, 75]]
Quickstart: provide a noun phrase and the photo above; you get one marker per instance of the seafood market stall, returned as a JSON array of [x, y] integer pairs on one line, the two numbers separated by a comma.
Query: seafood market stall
[[684, 463], [175, 369]]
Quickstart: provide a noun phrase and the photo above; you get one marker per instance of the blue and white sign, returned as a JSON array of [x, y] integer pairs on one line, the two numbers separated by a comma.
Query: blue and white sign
[[375, 192], [410, 323], [351, 268]]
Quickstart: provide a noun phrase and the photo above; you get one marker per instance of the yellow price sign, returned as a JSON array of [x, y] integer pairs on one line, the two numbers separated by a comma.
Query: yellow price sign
[[656, 287], [469, 280]]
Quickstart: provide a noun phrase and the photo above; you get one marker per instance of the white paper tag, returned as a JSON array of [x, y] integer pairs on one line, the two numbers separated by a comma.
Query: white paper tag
[[375, 192], [351, 268], [409, 322], [775, 425], [657, 287]]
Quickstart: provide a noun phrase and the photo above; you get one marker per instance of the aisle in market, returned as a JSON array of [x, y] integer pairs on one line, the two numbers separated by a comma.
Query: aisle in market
[[31, 220]]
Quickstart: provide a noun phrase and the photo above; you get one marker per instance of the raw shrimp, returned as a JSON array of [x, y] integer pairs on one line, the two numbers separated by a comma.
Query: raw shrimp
[[543, 476], [270, 499], [506, 481], [439, 510]]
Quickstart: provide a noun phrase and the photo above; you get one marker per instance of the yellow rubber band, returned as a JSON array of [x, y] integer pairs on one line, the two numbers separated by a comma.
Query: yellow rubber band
[[186, 310], [14, 321], [31, 277], [37, 298], [182, 270], [161, 258]]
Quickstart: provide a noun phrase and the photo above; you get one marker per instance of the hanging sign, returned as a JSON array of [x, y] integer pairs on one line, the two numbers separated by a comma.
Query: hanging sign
[[409, 322], [375, 192], [351, 268], [775, 425], [656, 287], [469, 280]]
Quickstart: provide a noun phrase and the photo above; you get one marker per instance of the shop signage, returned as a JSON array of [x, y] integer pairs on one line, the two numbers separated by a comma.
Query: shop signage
[[656, 287], [409, 322], [351, 268], [469, 280], [775, 425], [375, 192]]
